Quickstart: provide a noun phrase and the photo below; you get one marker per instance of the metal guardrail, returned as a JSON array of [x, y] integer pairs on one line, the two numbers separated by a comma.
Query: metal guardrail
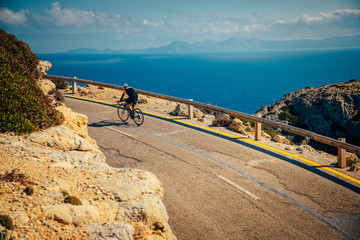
[[258, 121]]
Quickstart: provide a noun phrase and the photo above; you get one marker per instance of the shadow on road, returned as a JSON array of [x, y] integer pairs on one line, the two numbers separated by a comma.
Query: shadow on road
[[105, 123]]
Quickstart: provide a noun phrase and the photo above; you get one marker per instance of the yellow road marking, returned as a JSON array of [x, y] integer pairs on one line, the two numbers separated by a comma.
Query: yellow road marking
[[237, 137]]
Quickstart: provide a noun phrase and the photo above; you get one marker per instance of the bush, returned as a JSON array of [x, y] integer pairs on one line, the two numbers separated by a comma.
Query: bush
[[29, 191], [286, 115], [72, 200], [24, 108], [6, 222]]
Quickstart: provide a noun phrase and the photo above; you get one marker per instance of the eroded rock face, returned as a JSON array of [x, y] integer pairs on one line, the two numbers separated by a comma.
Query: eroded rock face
[[121, 203], [332, 110], [44, 66]]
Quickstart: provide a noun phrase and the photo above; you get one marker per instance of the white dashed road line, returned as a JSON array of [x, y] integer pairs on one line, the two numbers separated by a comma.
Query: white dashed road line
[[238, 187]]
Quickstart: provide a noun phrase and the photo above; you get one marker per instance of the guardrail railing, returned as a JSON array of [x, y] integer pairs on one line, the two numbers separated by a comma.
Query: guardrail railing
[[340, 144]]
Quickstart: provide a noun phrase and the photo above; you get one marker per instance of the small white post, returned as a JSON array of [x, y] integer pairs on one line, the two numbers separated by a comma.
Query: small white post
[[191, 110], [74, 87], [342, 155]]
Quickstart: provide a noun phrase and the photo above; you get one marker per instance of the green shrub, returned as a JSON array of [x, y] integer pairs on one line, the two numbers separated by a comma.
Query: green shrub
[[72, 200], [286, 115], [6, 222], [29, 191], [24, 108]]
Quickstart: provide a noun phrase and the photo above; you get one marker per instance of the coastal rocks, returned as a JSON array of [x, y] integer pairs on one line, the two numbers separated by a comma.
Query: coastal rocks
[[221, 122], [332, 110], [125, 203], [70, 214], [76, 122], [61, 138], [180, 110], [46, 86], [44, 66], [110, 230], [281, 139]]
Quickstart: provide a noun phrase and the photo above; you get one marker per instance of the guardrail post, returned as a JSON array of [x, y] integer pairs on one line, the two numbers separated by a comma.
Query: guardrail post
[[342, 155], [74, 87], [257, 131], [191, 110]]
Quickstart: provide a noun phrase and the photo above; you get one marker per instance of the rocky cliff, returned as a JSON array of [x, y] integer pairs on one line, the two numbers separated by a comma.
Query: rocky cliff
[[332, 110], [55, 184]]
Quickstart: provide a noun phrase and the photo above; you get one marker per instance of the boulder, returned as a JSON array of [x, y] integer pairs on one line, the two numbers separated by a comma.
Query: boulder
[[180, 110], [76, 122], [236, 125], [332, 110], [46, 86], [110, 230], [281, 139], [70, 214], [62, 138], [44, 66], [221, 122]]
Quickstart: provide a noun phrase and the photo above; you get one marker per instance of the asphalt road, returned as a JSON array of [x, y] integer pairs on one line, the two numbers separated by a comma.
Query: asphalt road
[[218, 187]]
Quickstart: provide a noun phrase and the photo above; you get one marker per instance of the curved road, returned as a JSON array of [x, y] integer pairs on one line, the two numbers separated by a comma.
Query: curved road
[[219, 187]]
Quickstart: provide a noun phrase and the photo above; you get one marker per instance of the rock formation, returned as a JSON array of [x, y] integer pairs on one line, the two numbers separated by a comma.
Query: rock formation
[[38, 172], [332, 110]]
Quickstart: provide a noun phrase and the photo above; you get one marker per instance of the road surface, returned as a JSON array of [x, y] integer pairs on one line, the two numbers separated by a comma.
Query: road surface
[[219, 187]]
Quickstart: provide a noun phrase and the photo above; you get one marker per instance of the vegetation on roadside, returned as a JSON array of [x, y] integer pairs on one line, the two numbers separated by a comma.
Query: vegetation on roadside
[[24, 108]]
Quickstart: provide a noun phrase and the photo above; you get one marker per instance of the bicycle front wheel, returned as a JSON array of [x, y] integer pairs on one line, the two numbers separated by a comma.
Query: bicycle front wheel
[[138, 116], [123, 113]]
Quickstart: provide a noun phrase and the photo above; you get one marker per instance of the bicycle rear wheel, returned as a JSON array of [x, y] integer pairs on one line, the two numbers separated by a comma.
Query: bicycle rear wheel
[[123, 113], [138, 116]]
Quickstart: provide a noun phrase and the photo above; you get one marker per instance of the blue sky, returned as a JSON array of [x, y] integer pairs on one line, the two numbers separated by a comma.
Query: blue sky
[[52, 26]]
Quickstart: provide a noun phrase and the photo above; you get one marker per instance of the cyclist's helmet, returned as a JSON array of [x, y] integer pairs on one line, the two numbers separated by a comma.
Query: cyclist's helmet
[[125, 85]]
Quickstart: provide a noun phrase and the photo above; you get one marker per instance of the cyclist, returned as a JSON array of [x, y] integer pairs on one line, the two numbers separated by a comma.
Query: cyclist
[[132, 97]]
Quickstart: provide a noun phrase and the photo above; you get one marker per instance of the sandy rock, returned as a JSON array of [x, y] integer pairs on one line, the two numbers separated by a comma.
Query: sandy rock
[[351, 159], [221, 122], [148, 215], [71, 214], [281, 139], [264, 134], [44, 66], [181, 110], [110, 230], [198, 114], [62, 138], [130, 184], [236, 125], [20, 218], [76, 122], [46, 86]]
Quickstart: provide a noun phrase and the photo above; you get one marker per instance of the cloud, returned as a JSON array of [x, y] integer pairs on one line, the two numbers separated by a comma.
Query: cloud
[[343, 18], [69, 17], [146, 22], [8, 16]]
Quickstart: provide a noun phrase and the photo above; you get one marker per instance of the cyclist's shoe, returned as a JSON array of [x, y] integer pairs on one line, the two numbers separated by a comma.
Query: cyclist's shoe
[[132, 114]]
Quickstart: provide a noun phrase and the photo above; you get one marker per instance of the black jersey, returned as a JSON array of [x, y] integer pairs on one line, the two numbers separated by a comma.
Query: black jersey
[[131, 93]]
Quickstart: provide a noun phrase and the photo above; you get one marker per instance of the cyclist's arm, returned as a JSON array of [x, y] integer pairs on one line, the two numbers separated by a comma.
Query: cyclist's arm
[[122, 96]]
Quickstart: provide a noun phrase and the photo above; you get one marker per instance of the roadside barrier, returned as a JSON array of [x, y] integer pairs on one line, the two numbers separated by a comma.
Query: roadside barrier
[[340, 144]]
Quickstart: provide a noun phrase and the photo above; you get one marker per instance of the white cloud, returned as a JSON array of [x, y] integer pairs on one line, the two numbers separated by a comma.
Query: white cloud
[[69, 17], [8, 16], [148, 23], [344, 17]]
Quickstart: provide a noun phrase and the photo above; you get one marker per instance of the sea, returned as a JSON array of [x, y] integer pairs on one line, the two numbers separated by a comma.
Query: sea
[[241, 81]]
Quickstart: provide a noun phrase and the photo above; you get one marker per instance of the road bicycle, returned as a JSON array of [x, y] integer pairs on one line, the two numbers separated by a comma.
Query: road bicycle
[[124, 113]]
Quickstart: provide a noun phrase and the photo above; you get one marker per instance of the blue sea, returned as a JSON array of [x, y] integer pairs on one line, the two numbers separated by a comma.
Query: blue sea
[[241, 81]]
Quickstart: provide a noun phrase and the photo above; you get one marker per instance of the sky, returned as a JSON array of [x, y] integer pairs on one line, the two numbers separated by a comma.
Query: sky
[[50, 26]]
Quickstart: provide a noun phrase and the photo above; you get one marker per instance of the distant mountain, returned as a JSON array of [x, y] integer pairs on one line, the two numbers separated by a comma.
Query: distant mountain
[[236, 44], [239, 44], [91, 51]]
